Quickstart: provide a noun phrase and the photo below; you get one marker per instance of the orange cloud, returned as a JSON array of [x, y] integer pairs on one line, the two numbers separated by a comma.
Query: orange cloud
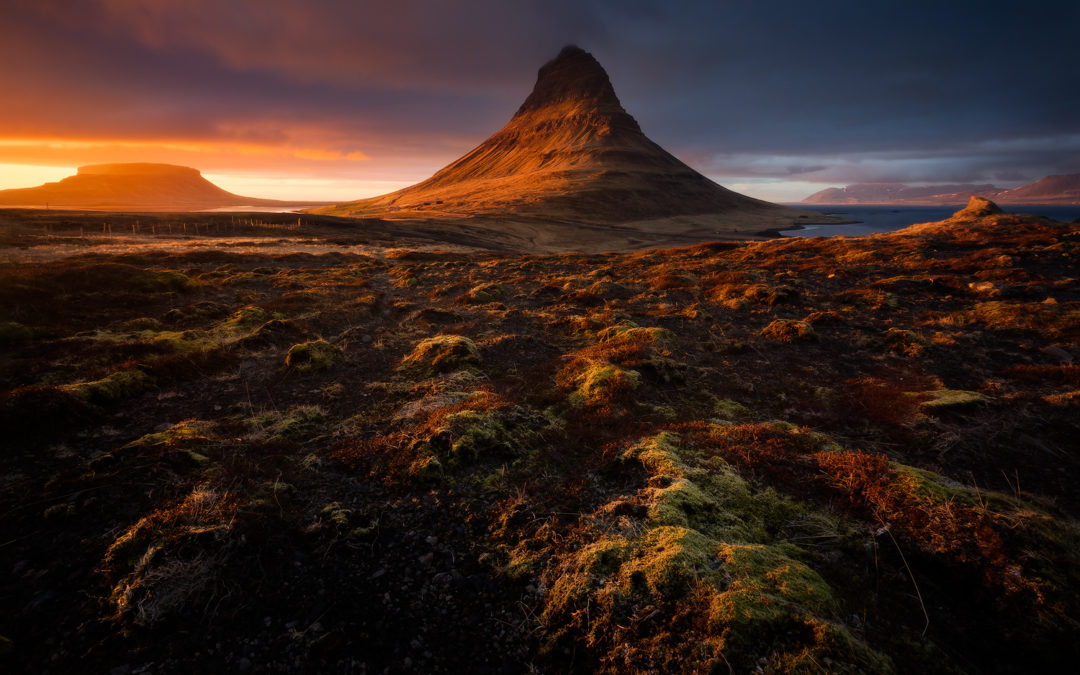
[[74, 151]]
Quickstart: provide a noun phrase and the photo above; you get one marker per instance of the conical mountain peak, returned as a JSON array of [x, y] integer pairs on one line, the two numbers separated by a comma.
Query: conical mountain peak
[[571, 153], [572, 77]]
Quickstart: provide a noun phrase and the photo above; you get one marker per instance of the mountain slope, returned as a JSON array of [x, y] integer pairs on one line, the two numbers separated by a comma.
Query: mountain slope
[[1059, 189], [1064, 189], [879, 193], [114, 187], [572, 153]]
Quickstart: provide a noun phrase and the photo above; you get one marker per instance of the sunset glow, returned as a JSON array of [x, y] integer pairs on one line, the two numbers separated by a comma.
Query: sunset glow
[[30, 175], [391, 91], [540, 336]]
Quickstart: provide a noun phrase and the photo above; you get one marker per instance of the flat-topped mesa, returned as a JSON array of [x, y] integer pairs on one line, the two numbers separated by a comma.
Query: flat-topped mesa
[[141, 169], [137, 186]]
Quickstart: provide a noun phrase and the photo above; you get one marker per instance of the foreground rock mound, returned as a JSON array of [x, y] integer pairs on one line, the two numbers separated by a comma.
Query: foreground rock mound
[[572, 153], [978, 207]]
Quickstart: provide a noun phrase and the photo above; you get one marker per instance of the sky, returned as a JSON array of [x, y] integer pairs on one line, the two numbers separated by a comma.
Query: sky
[[338, 99]]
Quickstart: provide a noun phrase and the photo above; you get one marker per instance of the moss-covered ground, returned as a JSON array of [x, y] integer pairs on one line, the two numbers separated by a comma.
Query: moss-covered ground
[[801, 455]]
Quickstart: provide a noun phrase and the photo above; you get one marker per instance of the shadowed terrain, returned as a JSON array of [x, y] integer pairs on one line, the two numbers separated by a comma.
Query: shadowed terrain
[[38, 234], [847, 454]]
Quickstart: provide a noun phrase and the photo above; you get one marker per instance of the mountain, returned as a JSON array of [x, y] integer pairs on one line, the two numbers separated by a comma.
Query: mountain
[[888, 193], [129, 187], [1061, 189], [571, 153], [1058, 189]]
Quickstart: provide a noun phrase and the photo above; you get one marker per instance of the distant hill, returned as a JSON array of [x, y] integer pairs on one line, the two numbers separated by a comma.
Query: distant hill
[[571, 153], [132, 187], [1063, 189], [887, 193], [1059, 189]]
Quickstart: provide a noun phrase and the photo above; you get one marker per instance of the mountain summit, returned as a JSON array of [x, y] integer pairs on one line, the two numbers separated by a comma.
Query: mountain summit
[[574, 75], [573, 154]]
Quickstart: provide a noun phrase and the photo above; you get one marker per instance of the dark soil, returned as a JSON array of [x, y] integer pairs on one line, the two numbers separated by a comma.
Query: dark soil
[[176, 499]]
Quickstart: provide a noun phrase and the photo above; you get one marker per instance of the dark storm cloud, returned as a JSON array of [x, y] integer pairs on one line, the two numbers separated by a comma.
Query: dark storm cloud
[[826, 91]]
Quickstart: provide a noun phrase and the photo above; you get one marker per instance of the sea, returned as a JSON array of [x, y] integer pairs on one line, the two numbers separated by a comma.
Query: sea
[[874, 219]]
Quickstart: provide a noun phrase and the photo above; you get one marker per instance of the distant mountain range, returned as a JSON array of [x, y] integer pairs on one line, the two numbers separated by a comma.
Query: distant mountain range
[[1059, 189], [133, 187]]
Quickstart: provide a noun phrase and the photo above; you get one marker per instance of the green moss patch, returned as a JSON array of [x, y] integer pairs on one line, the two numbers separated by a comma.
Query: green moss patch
[[113, 388], [726, 409], [603, 383], [628, 331], [246, 318], [484, 294], [709, 545], [950, 398], [461, 439], [199, 312], [441, 353], [14, 334], [300, 423], [317, 355]]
